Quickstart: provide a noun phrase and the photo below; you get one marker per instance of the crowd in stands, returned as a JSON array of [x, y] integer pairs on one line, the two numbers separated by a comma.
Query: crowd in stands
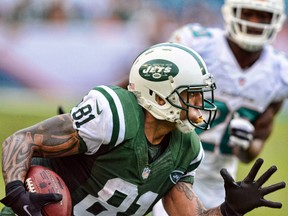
[[86, 43]]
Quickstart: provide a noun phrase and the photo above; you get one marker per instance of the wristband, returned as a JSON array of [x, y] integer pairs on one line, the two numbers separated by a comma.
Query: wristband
[[13, 189], [12, 185]]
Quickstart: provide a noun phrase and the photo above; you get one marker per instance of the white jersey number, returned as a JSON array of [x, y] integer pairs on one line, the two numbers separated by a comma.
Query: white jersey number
[[111, 188]]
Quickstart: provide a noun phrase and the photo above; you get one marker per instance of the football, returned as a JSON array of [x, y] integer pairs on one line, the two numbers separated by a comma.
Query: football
[[41, 179]]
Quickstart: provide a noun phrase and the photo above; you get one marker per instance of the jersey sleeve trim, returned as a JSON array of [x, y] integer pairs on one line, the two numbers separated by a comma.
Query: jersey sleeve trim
[[195, 163], [118, 132], [99, 120]]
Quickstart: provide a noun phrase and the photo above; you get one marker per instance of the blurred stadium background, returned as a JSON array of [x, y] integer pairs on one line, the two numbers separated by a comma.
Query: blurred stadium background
[[53, 51]]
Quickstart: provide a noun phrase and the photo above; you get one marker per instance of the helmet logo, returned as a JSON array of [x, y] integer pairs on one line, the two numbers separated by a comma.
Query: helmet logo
[[158, 70]]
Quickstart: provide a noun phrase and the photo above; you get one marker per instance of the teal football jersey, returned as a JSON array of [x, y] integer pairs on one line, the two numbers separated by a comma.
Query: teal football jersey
[[112, 176], [247, 92]]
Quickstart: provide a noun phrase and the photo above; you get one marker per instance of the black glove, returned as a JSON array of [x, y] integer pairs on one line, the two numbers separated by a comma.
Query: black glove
[[26, 203], [244, 196]]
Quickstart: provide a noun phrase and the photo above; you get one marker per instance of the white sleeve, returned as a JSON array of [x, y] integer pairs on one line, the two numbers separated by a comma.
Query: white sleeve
[[283, 76], [201, 39], [183, 36], [93, 119]]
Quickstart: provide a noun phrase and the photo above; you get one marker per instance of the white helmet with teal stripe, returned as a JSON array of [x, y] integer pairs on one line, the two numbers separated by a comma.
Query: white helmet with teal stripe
[[166, 70]]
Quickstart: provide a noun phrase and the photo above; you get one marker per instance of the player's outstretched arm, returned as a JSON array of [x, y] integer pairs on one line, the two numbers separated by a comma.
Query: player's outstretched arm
[[181, 200], [241, 197], [246, 195]]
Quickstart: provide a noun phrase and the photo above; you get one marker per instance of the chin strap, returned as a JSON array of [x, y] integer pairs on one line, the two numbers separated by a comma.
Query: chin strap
[[184, 126]]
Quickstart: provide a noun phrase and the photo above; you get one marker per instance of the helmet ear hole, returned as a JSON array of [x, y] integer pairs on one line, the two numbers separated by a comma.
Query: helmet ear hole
[[159, 100]]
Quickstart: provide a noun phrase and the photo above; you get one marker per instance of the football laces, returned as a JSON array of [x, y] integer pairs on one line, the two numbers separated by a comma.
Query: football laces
[[29, 185]]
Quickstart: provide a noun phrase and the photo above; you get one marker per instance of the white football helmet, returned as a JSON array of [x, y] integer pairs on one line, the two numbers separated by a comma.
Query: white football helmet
[[237, 27], [166, 70]]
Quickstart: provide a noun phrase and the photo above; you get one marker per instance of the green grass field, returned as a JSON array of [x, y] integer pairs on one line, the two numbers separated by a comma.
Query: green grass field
[[14, 116], [275, 152]]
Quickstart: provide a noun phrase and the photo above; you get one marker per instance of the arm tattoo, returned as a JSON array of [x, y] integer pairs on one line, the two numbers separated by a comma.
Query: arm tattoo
[[201, 210], [182, 187], [54, 137]]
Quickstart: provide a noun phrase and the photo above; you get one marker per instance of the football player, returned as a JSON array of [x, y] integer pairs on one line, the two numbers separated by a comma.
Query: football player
[[120, 151], [252, 82]]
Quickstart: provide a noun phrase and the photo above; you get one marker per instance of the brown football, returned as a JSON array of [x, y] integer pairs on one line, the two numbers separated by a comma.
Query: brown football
[[41, 179]]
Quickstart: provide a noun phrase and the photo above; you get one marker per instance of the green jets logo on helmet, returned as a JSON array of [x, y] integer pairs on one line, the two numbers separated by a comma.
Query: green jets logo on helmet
[[158, 70]]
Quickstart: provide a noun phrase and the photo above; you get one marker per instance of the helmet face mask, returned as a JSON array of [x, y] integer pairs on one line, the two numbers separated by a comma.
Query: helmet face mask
[[239, 28], [165, 71], [206, 106]]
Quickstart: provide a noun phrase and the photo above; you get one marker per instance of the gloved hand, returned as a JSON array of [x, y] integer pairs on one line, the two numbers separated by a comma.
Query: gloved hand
[[241, 132], [26, 203], [244, 196]]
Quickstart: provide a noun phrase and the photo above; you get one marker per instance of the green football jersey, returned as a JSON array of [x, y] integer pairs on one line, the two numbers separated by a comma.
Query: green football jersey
[[113, 176]]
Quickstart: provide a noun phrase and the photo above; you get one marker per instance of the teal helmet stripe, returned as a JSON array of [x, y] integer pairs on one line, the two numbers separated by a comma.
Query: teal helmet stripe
[[116, 119], [195, 56]]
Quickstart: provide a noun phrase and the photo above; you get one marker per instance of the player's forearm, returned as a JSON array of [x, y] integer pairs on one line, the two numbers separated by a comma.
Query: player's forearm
[[182, 200], [246, 156], [15, 158], [54, 137]]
